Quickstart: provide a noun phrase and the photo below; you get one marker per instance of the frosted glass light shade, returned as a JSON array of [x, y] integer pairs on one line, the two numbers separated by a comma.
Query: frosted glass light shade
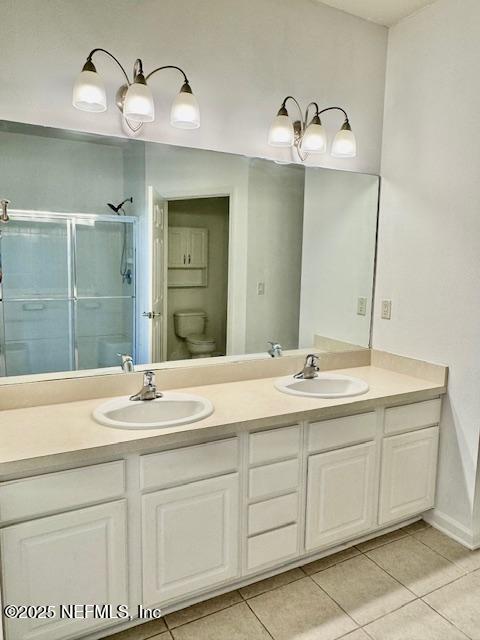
[[138, 105], [89, 92], [344, 144], [281, 132], [314, 139], [185, 113]]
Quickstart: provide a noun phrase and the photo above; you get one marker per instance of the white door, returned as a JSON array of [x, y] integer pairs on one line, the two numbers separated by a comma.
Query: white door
[[177, 247], [341, 495], [190, 538], [197, 249], [72, 558], [409, 470], [158, 210]]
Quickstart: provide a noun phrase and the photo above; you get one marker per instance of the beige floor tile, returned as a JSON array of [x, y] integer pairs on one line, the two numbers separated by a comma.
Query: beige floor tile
[[202, 609], [460, 603], [234, 623], [362, 589], [268, 584], [142, 631], [415, 565], [381, 540], [419, 525], [355, 635], [415, 621], [166, 635], [450, 549], [329, 561], [301, 610]]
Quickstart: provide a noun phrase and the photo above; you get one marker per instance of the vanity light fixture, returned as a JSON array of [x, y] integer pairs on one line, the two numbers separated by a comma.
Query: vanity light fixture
[[134, 98], [309, 135]]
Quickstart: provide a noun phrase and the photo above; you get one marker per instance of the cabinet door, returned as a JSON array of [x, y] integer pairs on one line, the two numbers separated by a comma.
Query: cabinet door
[[177, 247], [341, 495], [190, 538], [72, 558], [409, 469], [197, 254]]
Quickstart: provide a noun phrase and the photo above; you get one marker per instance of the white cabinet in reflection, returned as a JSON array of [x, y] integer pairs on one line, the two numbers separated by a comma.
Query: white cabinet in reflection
[[187, 248]]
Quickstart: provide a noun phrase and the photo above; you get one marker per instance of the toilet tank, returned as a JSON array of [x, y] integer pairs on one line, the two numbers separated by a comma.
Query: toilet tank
[[188, 323]]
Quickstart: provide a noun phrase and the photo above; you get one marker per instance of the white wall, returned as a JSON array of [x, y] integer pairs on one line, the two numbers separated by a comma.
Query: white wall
[[242, 59], [429, 245], [339, 229], [275, 220]]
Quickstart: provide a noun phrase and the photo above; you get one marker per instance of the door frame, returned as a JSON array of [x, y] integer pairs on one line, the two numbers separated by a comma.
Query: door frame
[[237, 258]]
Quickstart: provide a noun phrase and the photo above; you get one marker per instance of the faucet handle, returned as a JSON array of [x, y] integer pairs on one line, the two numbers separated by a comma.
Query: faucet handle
[[127, 362], [312, 360]]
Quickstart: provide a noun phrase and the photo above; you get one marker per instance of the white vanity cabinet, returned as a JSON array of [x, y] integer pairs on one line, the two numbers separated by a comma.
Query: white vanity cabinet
[[75, 557], [341, 495], [190, 538], [208, 517], [190, 532], [409, 460]]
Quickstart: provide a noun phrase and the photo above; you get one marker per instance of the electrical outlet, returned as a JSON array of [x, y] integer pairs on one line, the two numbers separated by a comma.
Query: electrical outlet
[[386, 309], [260, 288], [361, 307]]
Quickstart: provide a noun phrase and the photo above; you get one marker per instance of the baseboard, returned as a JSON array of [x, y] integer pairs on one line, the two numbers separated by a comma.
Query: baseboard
[[452, 528]]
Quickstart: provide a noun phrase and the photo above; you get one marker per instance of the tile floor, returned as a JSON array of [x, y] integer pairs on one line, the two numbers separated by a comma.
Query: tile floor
[[412, 584]]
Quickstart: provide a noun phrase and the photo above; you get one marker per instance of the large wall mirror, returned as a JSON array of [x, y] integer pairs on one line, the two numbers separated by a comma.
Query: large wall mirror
[[117, 246]]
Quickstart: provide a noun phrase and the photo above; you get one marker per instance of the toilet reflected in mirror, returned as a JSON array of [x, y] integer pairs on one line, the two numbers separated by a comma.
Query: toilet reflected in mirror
[[191, 326]]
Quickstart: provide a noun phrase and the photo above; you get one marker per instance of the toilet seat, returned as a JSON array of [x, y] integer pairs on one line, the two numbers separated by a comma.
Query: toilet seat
[[202, 340]]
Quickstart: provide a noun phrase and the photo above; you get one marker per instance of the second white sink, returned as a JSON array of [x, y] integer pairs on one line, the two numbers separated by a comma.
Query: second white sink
[[325, 385], [171, 410]]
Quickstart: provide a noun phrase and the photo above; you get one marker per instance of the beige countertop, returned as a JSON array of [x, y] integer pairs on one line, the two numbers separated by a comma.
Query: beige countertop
[[41, 438]]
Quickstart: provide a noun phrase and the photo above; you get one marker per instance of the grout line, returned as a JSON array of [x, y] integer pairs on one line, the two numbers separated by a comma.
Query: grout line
[[392, 576], [183, 624], [446, 619], [357, 626], [248, 605], [457, 564]]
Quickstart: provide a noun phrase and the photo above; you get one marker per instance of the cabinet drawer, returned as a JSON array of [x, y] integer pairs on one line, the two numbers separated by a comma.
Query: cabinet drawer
[[272, 546], [273, 513], [340, 432], [188, 463], [273, 478], [274, 444], [412, 416], [40, 495]]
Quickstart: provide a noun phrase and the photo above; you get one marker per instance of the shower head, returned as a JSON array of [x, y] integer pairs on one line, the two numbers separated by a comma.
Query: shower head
[[117, 207]]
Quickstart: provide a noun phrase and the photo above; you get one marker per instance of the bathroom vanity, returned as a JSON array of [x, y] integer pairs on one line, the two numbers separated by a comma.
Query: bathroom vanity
[[165, 518]]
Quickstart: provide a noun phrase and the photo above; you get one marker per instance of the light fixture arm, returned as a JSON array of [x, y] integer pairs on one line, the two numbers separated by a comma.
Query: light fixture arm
[[337, 109], [168, 66], [89, 61]]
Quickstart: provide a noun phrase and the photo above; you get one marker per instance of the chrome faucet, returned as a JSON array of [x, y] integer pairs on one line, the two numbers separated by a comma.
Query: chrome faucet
[[149, 389], [127, 362], [310, 367], [275, 350]]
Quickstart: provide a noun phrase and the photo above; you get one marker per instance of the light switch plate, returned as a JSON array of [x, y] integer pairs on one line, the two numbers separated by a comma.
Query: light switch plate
[[386, 309], [361, 306]]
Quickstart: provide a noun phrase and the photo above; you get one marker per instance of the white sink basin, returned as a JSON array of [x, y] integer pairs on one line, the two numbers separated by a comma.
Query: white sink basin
[[325, 385], [171, 410]]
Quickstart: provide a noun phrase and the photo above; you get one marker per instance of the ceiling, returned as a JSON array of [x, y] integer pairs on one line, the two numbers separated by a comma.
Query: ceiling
[[386, 12]]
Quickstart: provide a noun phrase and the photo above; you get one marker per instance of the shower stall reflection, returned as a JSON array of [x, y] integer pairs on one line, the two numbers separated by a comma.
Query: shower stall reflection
[[67, 292]]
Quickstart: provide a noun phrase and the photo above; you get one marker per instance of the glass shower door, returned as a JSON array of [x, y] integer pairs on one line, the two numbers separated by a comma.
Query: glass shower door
[[36, 296], [105, 292]]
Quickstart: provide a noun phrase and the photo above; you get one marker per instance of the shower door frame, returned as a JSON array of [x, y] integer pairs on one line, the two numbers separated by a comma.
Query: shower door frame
[[71, 219]]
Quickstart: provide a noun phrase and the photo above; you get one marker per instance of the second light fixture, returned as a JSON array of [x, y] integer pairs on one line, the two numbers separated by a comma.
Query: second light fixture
[[308, 134]]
